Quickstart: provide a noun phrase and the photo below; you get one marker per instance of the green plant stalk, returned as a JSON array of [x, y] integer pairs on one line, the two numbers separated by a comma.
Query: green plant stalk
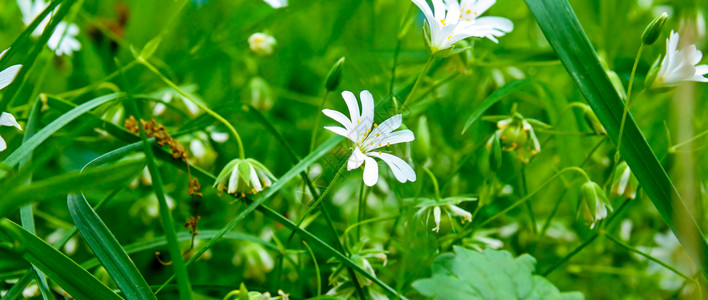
[[168, 224], [434, 181], [529, 207], [317, 269], [360, 215], [216, 116], [417, 82], [626, 104], [318, 119]]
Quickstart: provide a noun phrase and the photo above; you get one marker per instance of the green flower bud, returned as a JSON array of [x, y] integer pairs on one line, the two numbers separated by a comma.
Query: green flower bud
[[617, 84], [334, 75], [514, 136], [624, 182], [594, 204], [244, 176], [653, 30], [260, 94], [592, 121]]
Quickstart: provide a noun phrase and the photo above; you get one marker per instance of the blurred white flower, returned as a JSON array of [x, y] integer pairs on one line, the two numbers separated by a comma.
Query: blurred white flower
[[7, 119], [357, 128], [449, 206], [255, 259], [680, 65], [261, 43], [8, 75], [669, 251], [167, 94], [63, 40], [277, 3], [449, 22]]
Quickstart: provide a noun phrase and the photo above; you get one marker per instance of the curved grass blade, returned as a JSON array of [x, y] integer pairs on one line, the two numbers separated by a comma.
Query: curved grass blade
[[563, 31], [492, 99], [107, 249], [26, 149], [64, 271]]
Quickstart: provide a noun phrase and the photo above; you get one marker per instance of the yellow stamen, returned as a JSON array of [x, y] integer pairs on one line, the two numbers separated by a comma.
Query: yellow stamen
[[379, 152], [468, 11], [372, 143], [388, 144], [375, 125], [368, 130], [442, 22], [362, 140], [449, 36], [379, 144], [357, 121], [377, 134]]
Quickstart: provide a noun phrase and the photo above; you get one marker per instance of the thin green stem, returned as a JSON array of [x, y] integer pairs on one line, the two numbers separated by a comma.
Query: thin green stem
[[317, 269], [679, 145], [626, 106], [358, 225], [417, 82], [435, 183], [343, 249], [362, 206], [97, 84], [529, 207], [216, 116], [318, 119]]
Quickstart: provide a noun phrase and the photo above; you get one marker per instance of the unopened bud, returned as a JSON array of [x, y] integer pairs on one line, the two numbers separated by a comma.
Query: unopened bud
[[592, 121], [653, 30], [334, 75], [595, 205]]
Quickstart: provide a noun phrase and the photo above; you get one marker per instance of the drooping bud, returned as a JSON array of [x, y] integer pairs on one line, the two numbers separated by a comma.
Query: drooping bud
[[244, 176], [595, 204], [653, 30], [261, 43], [624, 182], [334, 75], [592, 121]]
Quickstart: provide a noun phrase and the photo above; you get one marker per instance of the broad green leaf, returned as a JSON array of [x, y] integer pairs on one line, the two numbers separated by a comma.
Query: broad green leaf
[[28, 146], [64, 271], [563, 31], [107, 249], [492, 99], [492, 274]]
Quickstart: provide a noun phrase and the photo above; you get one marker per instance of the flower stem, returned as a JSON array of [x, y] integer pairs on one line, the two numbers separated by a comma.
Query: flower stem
[[362, 206], [417, 82], [529, 207], [626, 108], [216, 116], [318, 118], [435, 183]]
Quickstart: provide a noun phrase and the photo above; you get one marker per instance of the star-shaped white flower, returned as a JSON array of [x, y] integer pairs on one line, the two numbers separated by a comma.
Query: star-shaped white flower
[[63, 40], [451, 22], [680, 65], [368, 141]]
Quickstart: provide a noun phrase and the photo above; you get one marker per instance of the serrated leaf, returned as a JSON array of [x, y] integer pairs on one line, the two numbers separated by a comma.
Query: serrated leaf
[[492, 274]]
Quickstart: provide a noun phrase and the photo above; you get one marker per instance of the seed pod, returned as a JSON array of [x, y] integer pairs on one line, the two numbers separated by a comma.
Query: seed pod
[[653, 30], [334, 75]]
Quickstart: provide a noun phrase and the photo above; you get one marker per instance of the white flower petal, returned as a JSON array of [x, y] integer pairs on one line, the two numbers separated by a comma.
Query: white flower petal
[[425, 8], [401, 170], [499, 23], [7, 119], [353, 106], [367, 109], [343, 132], [339, 118], [356, 159], [436, 216], [8, 75], [439, 9], [401, 136], [233, 180], [453, 12], [3, 52], [371, 172], [3, 145], [254, 180]]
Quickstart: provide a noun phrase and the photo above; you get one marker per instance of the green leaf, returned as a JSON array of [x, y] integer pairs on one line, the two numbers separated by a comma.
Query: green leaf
[[107, 249], [563, 31], [492, 274], [492, 99], [64, 271], [16, 195], [28, 146]]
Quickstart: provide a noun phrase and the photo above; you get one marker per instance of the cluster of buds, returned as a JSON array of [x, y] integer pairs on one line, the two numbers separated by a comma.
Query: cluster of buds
[[158, 131], [516, 134]]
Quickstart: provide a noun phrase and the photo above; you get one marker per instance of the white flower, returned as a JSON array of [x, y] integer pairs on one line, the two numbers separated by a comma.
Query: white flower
[[261, 43], [9, 74], [61, 43], [451, 22], [277, 3], [446, 205], [7, 119], [244, 176], [680, 65], [357, 128]]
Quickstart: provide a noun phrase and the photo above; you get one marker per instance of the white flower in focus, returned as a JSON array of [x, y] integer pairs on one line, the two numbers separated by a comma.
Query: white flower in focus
[[680, 65], [7, 119], [449, 22], [277, 3], [244, 176], [63, 40], [261, 43], [367, 141], [8, 75]]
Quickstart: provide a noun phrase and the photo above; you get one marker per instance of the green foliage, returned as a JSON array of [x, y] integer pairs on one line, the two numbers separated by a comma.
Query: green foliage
[[490, 274]]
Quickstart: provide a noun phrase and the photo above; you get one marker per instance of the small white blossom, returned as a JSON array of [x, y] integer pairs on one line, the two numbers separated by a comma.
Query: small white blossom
[[244, 176], [261, 43], [367, 141], [277, 3], [450, 22], [680, 65], [448, 206], [63, 40]]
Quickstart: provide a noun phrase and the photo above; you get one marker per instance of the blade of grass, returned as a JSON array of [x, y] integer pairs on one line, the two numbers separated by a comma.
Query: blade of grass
[[26, 149], [107, 249], [64, 271], [168, 223], [563, 31], [492, 99]]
